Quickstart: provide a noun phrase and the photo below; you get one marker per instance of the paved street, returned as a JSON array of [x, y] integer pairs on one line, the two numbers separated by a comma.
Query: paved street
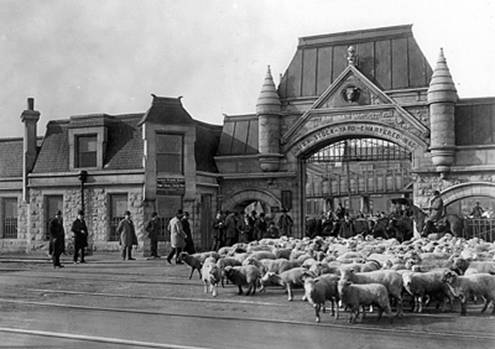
[[108, 303]]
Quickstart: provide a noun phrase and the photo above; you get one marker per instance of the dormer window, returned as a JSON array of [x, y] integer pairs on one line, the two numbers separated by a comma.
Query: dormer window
[[86, 151], [87, 147], [169, 153]]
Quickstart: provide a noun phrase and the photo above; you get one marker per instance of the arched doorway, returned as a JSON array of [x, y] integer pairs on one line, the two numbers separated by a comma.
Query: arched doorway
[[361, 173], [251, 199], [461, 199]]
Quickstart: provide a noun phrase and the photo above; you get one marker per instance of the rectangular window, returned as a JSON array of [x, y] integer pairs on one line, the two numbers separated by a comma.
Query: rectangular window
[[53, 203], [167, 206], [118, 205], [10, 218], [86, 151], [169, 153]]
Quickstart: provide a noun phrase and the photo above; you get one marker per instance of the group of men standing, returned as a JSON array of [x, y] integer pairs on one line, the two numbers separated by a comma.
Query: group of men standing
[[57, 238], [232, 227]]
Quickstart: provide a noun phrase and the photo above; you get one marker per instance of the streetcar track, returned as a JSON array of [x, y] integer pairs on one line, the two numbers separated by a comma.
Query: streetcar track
[[168, 298], [66, 276], [97, 339], [460, 335]]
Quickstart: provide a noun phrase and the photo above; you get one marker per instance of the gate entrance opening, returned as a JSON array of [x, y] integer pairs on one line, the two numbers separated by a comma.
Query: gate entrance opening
[[363, 174]]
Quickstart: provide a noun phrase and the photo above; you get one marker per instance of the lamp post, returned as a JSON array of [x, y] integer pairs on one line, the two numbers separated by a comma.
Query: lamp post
[[83, 177]]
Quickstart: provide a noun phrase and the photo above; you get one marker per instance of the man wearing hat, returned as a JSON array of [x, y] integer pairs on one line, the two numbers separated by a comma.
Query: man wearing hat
[[436, 212], [153, 229], [128, 236], [80, 235], [57, 239], [177, 237]]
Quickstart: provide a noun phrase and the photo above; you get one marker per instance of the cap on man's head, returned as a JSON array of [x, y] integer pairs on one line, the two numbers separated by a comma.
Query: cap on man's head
[[180, 212], [127, 213], [59, 213], [80, 212], [154, 214], [436, 192]]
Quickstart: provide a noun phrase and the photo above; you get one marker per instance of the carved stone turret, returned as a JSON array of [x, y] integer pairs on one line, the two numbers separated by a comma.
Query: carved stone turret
[[442, 96], [268, 112]]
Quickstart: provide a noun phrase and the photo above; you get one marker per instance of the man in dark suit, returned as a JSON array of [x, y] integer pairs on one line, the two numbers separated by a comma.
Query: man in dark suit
[[80, 231], [153, 229], [57, 239]]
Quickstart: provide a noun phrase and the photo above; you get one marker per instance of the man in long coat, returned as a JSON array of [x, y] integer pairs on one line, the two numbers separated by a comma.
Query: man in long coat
[[153, 229], [57, 239], [128, 236], [231, 232], [80, 231], [186, 227], [219, 231], [177, 237], [285, 223]]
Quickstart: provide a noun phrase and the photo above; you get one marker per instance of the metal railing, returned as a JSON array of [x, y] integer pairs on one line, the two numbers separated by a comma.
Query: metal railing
[[483, 228], [10, 228]]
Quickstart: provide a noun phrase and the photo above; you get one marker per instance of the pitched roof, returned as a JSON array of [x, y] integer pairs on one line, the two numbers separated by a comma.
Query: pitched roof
[[167, 110], [11, 157], [124, 146], [390, 57], [239, 135], [205, 148]]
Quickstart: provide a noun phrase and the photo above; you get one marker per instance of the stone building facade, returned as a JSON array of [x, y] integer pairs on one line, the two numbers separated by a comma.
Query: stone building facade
[[373, 84]]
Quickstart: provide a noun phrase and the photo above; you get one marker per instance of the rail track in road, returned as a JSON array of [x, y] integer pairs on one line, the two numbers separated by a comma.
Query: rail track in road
[[456, 335]]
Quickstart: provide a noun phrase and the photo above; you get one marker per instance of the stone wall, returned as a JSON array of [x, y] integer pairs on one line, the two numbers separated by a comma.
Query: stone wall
[[426, 183], [33, 223]]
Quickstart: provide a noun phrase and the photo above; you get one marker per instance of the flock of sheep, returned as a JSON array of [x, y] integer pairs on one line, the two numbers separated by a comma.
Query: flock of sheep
[[358, 272]]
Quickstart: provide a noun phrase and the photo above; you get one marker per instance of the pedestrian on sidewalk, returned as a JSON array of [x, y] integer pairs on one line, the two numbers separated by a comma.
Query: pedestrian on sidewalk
[[189, 242], [153, 229], [80, 236], [128, 236], [57, 239], [177, 237]]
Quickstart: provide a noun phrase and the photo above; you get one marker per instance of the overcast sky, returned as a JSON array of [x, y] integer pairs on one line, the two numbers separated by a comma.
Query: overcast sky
[[107, 56]]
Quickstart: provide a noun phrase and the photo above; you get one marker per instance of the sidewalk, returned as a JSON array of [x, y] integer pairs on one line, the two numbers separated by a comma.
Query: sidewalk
[[43, 257]]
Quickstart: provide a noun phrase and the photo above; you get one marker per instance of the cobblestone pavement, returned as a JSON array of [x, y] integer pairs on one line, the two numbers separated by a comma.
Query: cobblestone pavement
[[109, 303]]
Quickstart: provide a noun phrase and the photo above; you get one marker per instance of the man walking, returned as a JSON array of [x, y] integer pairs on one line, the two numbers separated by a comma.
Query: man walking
[[186, 227], [57, 239], [80, 234], [153, 229], [128, 236], [177, 237]]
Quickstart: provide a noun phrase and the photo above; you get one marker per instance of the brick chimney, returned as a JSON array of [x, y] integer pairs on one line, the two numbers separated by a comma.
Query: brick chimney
[[30, 118]]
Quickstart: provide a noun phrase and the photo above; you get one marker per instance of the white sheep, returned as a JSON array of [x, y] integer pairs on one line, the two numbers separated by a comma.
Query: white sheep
[[388, 278], [317, 291], [289, 279], [474, 285], [357, 296], [422, 286], [211, 275]]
